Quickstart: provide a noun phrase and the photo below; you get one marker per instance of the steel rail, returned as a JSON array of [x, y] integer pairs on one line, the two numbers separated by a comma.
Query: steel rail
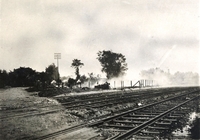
[[137, 129], [136, 109]]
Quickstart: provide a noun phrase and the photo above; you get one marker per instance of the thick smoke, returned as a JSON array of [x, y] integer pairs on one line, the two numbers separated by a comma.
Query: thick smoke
[[162, 78], [123, 81], [159, 77]]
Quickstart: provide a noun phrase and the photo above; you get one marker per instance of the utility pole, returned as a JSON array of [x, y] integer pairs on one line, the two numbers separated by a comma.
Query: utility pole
[[58, 56]]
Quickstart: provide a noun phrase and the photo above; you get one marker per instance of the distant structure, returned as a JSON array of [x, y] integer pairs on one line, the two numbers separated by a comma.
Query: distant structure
[[146, 83], [57, 56]]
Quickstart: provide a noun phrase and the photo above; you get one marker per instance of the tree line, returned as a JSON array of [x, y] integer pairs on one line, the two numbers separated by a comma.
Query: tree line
[[26, 77], [113, 65]]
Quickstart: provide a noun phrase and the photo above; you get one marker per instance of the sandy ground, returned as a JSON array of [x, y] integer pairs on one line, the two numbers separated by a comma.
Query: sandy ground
[[12, 93], [31, 126]]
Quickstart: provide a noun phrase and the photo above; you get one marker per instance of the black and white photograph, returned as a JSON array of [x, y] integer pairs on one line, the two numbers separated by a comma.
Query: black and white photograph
[[99, 69]]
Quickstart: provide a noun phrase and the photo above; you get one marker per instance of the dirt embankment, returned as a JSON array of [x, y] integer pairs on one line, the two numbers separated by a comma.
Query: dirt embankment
[[31, 126]]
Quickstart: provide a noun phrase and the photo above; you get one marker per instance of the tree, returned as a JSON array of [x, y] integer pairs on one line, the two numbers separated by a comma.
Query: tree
[[77, 64], [22, 77], [52, 73], [4, 78], [92, 78], [71, 82], [113, 64], [83, 78]]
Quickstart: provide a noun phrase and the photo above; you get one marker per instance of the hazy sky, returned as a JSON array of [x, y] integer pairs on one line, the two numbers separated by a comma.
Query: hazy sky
[[150, 33]]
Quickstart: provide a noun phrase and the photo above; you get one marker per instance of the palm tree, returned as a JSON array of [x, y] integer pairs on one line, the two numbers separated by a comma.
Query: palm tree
[[77, 64]]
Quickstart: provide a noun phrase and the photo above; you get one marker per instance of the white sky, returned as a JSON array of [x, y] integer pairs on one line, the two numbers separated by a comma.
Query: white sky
[[150, 33]]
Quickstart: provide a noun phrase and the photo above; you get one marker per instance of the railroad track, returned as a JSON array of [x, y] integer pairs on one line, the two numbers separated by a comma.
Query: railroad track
[[92, 102], [150, 128], [149, 122], [133, 123]]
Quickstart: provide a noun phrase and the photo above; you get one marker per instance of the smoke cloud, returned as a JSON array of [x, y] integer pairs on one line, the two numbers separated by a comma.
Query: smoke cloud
[[163, 78]]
